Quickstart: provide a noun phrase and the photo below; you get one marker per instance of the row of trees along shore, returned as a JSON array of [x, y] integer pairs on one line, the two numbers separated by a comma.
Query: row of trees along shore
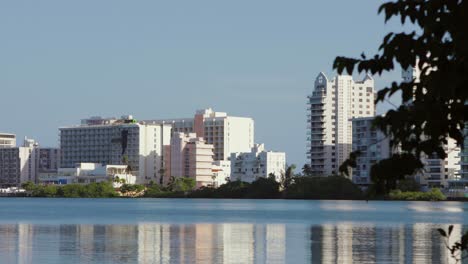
[[290, 186]]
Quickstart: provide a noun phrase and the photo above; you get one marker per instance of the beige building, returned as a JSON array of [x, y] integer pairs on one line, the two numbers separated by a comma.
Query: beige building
[[191, 157]]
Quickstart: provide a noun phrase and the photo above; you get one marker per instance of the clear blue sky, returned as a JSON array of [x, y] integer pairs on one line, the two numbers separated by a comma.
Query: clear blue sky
[[61, 61]]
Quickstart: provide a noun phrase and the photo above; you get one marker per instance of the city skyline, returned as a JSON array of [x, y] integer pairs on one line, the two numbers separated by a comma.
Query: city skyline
[[163, 60]]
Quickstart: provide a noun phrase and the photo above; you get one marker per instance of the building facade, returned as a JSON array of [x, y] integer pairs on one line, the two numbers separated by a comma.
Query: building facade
[[331, 107], [7, 140], [221, 172], [18, 164], [258, 163], [86, 173], [47, 159], [191, 157], [373, 146], [119, 142], [226, 133]]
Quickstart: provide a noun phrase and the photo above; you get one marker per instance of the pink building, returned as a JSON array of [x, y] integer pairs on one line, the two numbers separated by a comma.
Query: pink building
[[191, 157]]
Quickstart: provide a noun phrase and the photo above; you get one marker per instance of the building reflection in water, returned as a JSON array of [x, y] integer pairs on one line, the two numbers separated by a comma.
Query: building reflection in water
[[223, 243]]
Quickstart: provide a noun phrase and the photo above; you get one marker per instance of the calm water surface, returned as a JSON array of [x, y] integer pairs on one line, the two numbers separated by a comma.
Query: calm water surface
[[34, 230]]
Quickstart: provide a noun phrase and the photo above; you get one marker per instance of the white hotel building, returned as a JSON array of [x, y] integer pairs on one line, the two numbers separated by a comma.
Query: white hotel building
[[112, 141], [257, 163], [331, 107], [191, 157]]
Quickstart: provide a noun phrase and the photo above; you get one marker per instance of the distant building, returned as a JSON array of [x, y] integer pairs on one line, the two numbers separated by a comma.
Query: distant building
[[7, 140], [47, 159], [221, 172], [373, 146], [18, 164], [86, 173], [119, 142], [226, 133], [191, 157], [258, 163], [331, 107]]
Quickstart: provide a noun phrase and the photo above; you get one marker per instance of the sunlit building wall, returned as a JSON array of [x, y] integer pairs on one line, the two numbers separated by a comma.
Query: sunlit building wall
[[226, 133], [331, 106], [118, 142]]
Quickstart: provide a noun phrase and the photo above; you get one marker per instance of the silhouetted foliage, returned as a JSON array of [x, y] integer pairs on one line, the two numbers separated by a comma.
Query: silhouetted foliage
[[287, 177], [434, 108], [459, 249], [262, 188], [409, 184], [306, 170]]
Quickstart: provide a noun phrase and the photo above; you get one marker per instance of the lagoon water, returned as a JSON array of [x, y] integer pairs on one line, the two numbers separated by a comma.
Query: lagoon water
[[36, 230]]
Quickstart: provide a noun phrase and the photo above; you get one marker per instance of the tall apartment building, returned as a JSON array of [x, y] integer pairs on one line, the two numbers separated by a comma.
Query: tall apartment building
[[437, 172], [18, 164], [111, 141], [331, 107], [226, 133], [7, 140], [191, 157], [257, 163], [373, 146]]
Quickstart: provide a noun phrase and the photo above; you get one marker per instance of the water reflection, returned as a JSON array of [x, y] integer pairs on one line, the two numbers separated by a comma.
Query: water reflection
[[223, 243]]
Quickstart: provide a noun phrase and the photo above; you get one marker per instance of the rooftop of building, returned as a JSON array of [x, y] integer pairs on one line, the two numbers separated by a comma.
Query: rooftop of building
[[7, 135], [207, 113]]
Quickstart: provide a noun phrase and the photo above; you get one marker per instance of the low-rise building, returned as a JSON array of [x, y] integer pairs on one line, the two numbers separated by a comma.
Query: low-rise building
[[221, 172], [86, 173], [258, 163]]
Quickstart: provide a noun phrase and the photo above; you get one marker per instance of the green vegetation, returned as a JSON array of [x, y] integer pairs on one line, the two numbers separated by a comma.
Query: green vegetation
[[125, 188], [92, 190], [332, 187], [298, 187], [262, 188], [181, 184], [433, 195]]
